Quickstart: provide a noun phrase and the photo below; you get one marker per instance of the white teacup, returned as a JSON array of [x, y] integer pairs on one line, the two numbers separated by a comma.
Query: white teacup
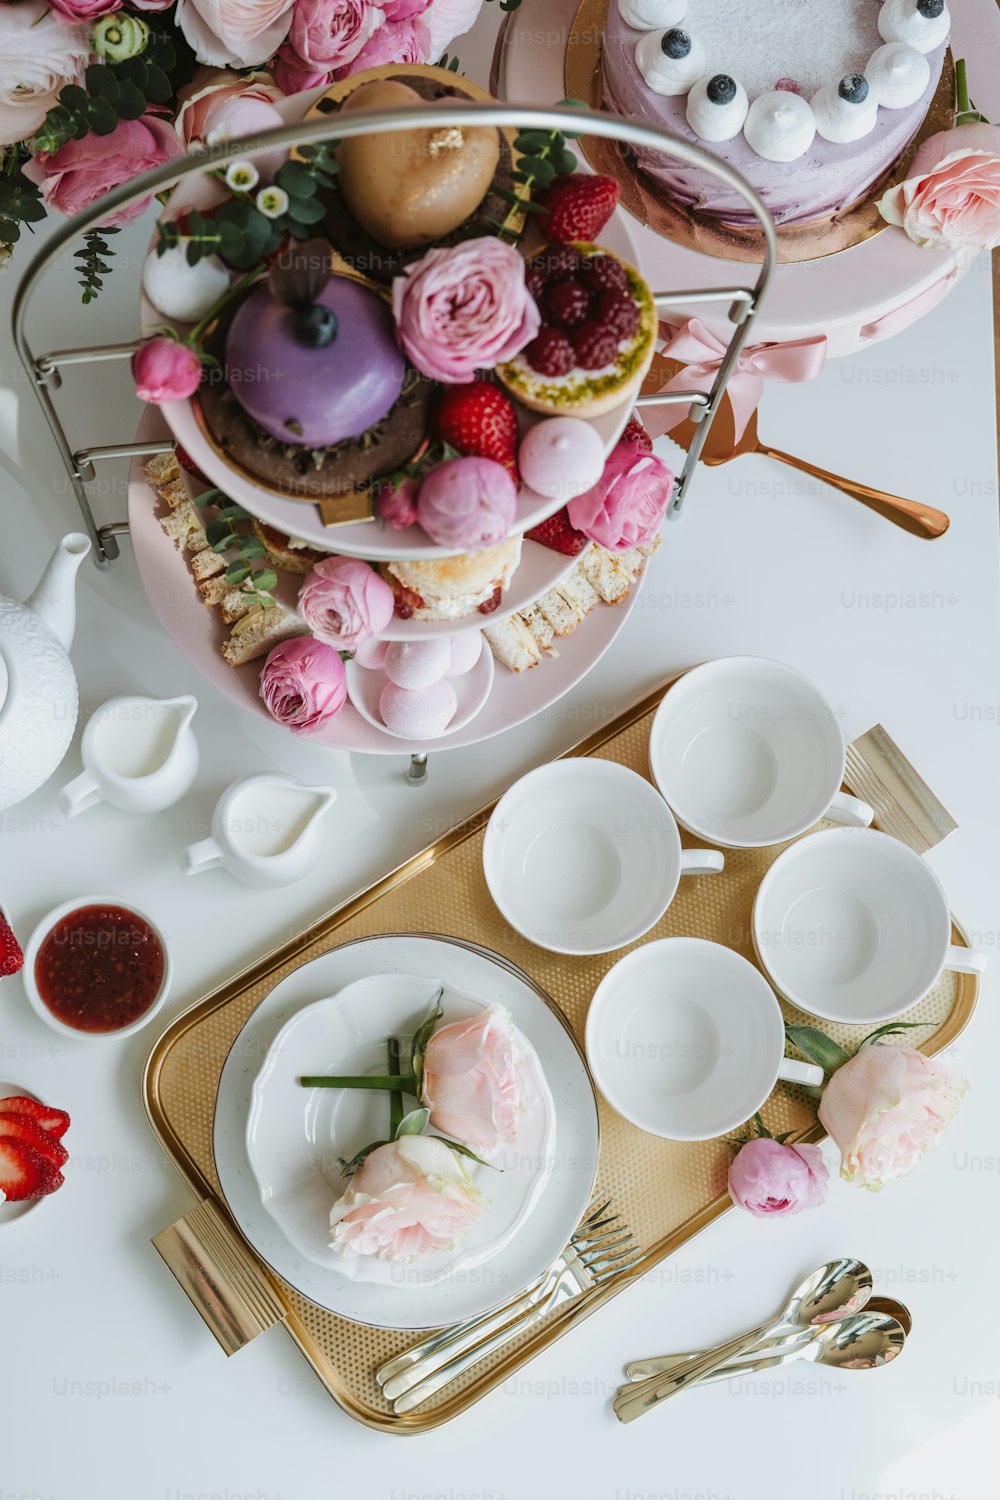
[[266, 830], [583, 856], [686, 1039], [853, 926], [748, 753], [139, 754]]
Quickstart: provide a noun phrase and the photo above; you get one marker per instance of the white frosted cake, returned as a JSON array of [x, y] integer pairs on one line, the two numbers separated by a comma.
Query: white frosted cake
[[813, 101]]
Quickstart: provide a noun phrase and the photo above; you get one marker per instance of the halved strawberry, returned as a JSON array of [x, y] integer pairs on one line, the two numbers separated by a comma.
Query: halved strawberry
[[54, 1122], [558, 534], [187, 462], [634, 432], [578, 206], [11, 957], [21, 1128], [24, 1172], [477, 419]]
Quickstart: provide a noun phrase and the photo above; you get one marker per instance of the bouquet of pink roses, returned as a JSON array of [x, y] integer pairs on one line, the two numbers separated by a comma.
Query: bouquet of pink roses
[[94, 92]]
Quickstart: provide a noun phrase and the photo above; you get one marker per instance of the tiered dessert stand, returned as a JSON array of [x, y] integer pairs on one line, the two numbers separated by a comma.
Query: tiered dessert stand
[[735, 300]]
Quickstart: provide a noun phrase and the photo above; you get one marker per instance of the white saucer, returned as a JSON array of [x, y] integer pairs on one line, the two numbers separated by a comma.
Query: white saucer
[[297, 1136]]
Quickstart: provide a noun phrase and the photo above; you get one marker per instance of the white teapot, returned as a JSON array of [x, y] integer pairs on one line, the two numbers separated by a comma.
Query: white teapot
[[38, 693]]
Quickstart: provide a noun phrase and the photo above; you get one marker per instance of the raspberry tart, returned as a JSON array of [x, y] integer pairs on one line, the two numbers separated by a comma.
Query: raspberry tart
[[597, 334]]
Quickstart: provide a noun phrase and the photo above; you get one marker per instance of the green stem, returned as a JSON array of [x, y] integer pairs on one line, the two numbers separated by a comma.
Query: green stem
[[220, 304], [961, 88], [406, 1083], [395, 1098]]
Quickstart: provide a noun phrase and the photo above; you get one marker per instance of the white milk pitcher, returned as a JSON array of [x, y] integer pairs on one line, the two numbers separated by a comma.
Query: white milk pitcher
[[266, 830], [139, 754]]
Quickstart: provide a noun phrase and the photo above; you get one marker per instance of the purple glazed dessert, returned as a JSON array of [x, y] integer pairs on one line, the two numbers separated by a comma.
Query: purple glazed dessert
[[861, 78], [319, 374]]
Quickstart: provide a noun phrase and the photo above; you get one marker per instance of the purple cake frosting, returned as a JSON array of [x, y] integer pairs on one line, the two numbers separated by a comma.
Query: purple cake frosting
[[824, 180], [315, 396]]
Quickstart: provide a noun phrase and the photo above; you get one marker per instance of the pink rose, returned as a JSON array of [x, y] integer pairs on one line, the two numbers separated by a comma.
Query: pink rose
[[951, 199], [150, 4], [164, 370], [464, 309], [768, 1178], [472, 1083], [467, 504], [406, 1199], [38, 57], [330, 33], [402, 10], [344, 601], [885, 1108], [447, 19], [81, 172], [292, 75], [395, 42], [626, 506], [397, 504], [303, 684], [241, 32], [215, 106], [83, 10]]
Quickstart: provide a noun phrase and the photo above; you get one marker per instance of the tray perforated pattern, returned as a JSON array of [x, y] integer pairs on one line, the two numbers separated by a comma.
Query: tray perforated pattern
[[665, 1190]]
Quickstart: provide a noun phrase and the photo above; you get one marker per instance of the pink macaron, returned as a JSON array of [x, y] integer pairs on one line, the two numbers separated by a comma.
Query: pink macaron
[[416, 664], [466, 649], [423, 714]]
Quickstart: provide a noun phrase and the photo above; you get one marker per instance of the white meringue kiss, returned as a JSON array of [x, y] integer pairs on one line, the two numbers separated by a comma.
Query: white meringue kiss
[[901, 21], [716, 122], [668, 75], [652, 15], [897, 75], [780, 125], [839, 120]]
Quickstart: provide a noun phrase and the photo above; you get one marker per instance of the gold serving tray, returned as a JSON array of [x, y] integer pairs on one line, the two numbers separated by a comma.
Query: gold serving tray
[[665, 1190]]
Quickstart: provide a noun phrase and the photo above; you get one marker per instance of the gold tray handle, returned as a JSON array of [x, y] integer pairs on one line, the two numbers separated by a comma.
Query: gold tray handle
[[219, 1276]]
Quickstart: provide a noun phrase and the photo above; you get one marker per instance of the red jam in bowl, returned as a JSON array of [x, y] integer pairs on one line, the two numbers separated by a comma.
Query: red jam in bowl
[[100, 968]]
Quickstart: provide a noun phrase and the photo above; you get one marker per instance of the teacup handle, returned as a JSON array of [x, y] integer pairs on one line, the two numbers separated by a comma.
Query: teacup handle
[[793, 1071], [850, 810], [965, 960], [701, 861], [82, 792], [205, 855]]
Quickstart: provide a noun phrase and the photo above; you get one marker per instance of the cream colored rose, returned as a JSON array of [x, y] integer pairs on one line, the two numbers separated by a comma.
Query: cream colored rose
[[406, 1199], [239, 32], [39, 55]]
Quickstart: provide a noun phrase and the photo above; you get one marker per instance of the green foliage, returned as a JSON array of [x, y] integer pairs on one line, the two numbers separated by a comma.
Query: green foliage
[[111, 92], [227, 532], [92, 265], [544, 156], [20, 200]]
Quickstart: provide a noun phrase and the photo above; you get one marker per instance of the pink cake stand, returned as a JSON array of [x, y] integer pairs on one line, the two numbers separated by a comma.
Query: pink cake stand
[[855, 298]]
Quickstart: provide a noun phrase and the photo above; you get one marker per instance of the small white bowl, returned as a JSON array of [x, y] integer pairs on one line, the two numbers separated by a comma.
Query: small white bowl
[[686, 1040], [13, 1213], [42, 931], [365, 684], [583, 856]]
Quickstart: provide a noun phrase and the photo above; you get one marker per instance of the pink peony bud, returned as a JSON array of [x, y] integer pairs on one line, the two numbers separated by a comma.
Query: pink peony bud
[[164, 370], [768, 1178], [344, 601], [303, 684]]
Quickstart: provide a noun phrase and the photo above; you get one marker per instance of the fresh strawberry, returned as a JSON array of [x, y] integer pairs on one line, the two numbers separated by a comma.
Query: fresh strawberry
[[558, 534], [634, 432], [24, 1173], [11, 957], [21, 1128], [477, 419], [578, 206], [187, 462], [54, 1122]]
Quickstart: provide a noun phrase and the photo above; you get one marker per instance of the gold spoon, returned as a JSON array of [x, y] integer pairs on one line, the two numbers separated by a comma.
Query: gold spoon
[[721, 447]]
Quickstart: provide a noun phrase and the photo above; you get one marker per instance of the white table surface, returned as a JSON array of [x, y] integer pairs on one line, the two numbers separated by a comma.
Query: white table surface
[[111, 1387]]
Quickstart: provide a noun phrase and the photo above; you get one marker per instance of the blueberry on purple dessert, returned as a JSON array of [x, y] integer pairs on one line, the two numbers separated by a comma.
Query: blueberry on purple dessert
[[721, 89], [854, 88], [675, 43], [930, 9]]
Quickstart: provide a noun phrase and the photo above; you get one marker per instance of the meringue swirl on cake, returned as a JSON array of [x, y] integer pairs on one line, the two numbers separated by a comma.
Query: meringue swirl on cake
[[897, 74], [924, 24], [717, 107], [671, 61], [780, 125], [651, 15], [845, 111]]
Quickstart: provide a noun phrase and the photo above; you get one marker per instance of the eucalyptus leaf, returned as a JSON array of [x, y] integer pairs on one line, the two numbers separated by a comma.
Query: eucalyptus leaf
[[466, 1151], [413, 1123], [348, 1168], [891, 1028]]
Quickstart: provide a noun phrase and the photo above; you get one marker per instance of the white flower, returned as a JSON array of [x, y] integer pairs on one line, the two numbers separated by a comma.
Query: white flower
[[38, 56], [272, 202], [242, 176]]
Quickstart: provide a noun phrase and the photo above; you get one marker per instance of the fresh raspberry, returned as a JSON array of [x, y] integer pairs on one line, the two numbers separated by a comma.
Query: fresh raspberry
[[604, 271], [566, 304], [617, 312], [789, 86], [24, 1173], [559, 262], [477, 419], [21, 1128], [595, 346], [577, 206], [634, 432], [551, 353], [535, 278], [54, 1121], [11, 957], [558, 534]]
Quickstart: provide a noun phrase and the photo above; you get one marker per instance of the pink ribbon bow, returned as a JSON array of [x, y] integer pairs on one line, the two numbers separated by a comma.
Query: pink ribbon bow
[[702, 354]]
